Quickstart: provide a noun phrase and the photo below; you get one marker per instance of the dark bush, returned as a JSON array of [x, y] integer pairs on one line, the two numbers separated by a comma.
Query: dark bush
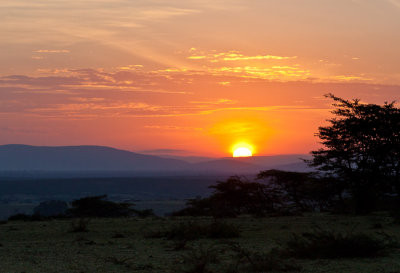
[[245, 260], [26, 217], [19, 217], [231, 198], [144, 213], [98, 206], [51, 208], [80, 225], [187, 231], [199, 260], [322, 244], [222, 230]]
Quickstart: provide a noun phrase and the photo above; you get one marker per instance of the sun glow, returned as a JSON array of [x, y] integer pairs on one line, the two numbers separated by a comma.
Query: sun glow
[[242, 150]]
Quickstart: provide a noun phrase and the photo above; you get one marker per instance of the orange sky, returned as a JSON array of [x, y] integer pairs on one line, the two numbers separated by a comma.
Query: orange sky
[[190, 77]]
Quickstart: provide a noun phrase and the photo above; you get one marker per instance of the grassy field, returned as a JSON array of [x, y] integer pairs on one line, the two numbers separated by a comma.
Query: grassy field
[[125, 245]]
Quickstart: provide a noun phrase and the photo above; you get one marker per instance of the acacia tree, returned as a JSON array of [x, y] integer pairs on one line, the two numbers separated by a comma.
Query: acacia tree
[[361, 147], [303, 191]]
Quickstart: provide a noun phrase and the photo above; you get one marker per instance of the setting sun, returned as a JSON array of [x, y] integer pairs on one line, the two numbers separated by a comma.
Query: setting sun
[[242, 152]]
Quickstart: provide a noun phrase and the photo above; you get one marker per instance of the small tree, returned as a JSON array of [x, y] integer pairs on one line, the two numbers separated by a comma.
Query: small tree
[[99, 206], [233, 197], [361, 147], [302, 191], [51, 208]]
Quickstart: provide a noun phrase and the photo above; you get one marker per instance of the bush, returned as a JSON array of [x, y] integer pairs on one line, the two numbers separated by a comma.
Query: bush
[[252, 261], [26, 217], [144, 213], [322, 244], [98, 206], [193, 231], [51, 208], [222, 230], [199, 260], [80, 225], [19, 217]]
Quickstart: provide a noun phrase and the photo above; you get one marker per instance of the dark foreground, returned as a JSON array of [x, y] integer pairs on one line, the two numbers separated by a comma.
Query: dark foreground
[[143, 245]]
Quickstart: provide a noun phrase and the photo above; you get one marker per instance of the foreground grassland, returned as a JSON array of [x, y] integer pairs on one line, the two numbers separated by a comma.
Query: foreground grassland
[[123, 245]]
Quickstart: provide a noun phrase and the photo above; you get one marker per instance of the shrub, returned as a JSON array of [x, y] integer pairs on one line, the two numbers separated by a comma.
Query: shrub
[[193, 231], [322, 244], [26, 217], [98, 206], [222, 230], [199, 260], [118, 261], [144, 213], [51, 208], [245, 260], [80, 225]]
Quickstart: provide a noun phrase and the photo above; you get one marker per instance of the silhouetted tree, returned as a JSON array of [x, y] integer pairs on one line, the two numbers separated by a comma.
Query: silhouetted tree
[[303, 191], [361, 147], [233, 197], [51, 208], [98, 206]]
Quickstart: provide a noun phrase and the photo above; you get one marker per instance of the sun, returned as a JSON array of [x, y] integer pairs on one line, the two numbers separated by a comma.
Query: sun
[[242, 152]]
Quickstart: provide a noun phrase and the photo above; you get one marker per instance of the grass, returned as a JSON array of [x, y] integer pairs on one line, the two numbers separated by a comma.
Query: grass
[[48, 246], [328, 244], [193, 230]]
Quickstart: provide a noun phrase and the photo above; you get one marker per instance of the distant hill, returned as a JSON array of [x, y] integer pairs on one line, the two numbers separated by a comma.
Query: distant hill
[[232, 166], [81, 158], [99, 159]]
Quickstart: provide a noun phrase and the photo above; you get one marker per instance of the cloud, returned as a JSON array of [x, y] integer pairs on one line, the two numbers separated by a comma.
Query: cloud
[[52, 51], [164, 151], [96, 93], [234, 55], [130, 67], [173, 127], [349, 78], [280, 73], [22, 131], [215, 102]]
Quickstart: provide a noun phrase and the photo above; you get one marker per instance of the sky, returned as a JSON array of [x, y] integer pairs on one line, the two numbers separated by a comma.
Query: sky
[[192, 77]]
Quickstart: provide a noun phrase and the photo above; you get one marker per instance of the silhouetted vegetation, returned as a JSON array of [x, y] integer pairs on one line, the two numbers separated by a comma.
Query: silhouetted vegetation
[[231, 198], [281, 193], [362, 148], [98, 206], [26, 217], [199, 260], [333, 245], [303, 191], [359, 171], [193, 230], [80, 225], [245, 260], [51, 208]]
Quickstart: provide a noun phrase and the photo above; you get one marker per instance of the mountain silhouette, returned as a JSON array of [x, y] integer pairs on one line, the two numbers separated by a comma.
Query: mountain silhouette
[[81, 158], [17, 158]]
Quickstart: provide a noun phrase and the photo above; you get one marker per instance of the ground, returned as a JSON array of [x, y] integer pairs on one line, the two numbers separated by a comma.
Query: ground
[[122, 245]]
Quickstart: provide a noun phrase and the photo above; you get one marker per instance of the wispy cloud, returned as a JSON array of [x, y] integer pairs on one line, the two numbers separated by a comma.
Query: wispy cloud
[[233, 56], [215, 102], [52, 51], [164, 151]]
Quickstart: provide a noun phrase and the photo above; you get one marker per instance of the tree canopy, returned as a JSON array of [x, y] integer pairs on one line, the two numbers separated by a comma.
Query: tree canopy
[[361, 147]]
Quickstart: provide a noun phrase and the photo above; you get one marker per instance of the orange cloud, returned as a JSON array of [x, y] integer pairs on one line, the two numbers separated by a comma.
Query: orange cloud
[[52, 51]]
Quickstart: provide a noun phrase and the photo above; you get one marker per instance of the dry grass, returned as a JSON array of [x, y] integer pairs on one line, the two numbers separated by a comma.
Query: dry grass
[[47, 246]]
